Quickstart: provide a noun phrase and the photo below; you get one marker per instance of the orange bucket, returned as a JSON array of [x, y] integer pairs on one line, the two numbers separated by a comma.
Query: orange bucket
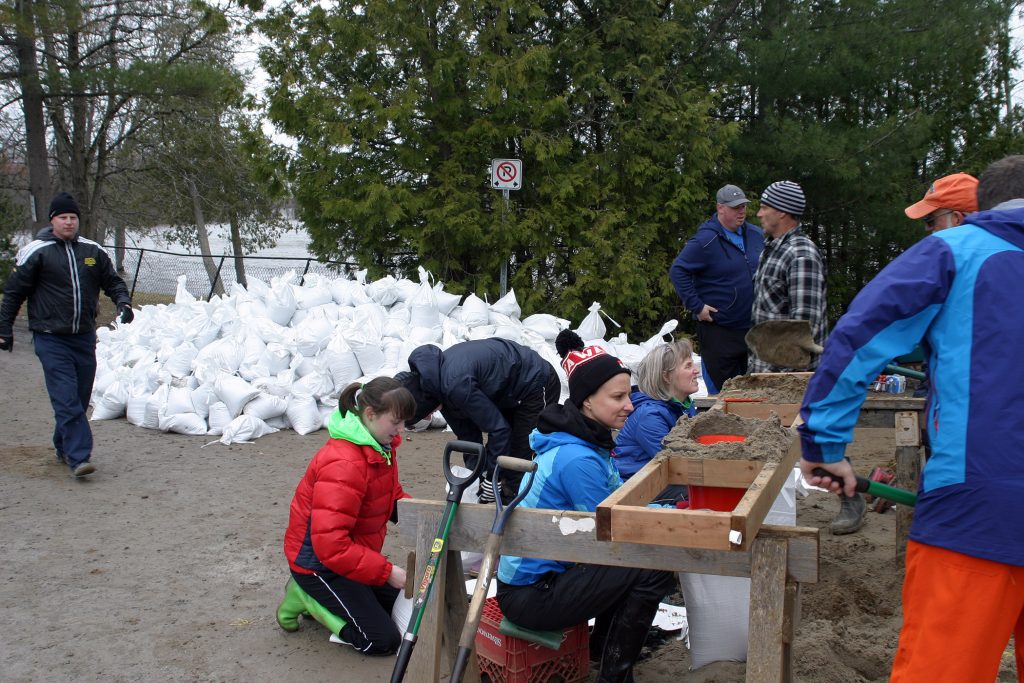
[[720, 498]]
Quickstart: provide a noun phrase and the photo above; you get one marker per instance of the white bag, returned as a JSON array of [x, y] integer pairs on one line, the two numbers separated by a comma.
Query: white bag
[[303, 414], [507, 305], [220, 417], [235, 392], [546, 325], [265, 407], [592, 326], [245, 428], [446, 301], [475, 312], [718, 611], [183, 423]]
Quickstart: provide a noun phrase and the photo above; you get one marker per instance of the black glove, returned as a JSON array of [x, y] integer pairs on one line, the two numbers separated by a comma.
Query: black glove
[[127, 314], [7, 343]]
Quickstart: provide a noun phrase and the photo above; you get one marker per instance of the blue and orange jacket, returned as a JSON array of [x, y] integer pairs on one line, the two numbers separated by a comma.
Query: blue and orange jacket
[[956, 292]]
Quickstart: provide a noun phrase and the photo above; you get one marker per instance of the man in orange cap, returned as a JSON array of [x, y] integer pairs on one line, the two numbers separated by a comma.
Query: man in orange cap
[[946, 203]]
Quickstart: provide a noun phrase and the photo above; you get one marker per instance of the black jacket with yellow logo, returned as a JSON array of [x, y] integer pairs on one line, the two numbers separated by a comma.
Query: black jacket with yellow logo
[[62, 282]]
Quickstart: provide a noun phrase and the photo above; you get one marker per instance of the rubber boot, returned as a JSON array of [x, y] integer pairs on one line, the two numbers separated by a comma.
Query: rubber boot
[[851, 514], [625, 640], [297, 601], [291, 607]]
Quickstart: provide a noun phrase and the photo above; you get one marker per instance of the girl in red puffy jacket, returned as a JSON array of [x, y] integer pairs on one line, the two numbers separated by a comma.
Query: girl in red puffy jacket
[[339, 517]]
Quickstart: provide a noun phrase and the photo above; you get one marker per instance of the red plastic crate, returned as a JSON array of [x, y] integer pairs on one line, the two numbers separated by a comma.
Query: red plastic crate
[[506, 659]]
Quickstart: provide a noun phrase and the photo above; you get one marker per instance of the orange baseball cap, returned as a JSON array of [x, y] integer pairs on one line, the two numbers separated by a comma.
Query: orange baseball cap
[[958, 192]]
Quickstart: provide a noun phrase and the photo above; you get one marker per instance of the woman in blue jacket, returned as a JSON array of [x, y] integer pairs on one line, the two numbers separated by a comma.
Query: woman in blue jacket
[[574, 472], [665, 379]]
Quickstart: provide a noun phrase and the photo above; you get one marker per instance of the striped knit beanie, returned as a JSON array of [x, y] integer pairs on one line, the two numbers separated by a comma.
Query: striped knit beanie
[[786, 196]]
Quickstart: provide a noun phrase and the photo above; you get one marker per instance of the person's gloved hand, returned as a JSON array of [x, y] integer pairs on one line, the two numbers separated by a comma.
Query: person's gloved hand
[[127, 314], [7, 343]]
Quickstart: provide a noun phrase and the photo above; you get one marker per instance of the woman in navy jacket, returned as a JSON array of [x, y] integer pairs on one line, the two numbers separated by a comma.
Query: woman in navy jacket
[[665, 379]]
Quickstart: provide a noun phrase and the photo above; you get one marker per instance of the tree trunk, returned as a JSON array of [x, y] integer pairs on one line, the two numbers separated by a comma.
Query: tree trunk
[[119, 249], [204, 238], [35, 121], [236, 249]]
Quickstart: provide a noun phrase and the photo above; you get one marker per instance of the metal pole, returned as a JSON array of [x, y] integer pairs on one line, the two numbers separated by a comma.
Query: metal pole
[[302, 280], [504, 263], [213, 286], [138, 267]]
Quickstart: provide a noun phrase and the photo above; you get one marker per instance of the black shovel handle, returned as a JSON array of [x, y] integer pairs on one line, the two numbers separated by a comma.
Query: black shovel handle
[[457, 484]]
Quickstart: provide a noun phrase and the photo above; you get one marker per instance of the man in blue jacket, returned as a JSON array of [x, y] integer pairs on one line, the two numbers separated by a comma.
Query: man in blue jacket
[[714, 278], [487, 385], [956, 292], [61, 274]]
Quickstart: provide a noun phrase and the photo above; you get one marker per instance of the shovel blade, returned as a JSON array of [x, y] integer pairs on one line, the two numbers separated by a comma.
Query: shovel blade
[[783, 343]]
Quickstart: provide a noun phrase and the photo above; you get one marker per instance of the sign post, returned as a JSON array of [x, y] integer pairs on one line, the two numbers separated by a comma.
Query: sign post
[[506, 175]]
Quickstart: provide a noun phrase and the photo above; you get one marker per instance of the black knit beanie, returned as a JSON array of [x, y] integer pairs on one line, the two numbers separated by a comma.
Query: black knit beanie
[[63, 203], [588, 370]]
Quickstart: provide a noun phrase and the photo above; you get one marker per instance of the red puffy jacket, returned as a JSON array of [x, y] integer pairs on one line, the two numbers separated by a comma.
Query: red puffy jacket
[[340, 512]]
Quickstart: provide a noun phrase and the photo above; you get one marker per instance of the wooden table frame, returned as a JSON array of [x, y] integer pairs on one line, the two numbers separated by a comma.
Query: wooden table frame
[[779, 560]]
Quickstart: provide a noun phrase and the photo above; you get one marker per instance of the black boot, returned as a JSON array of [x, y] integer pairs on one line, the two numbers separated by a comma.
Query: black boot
[[625, 640]]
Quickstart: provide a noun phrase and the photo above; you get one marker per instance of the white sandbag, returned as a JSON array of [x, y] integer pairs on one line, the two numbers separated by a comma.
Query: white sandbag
[[303, 414], [475, 312], [507, 305], [274, 359], [718, 611], [384, 291], [279, 422], [245, 428], [405, 288], [280, 301], [181, 294], [401, 612], [392, 355], [470, 561], [135, 409], [113, 403], [313, 292], [592, 326], [203, 397], [396, 324], [423, 305], [365, 339], [222, 357], [183, 423], [200, 329], [278, 385], [154, 407], [545, 324], [235, 392], [446, 301], [341, 363], [481, 332], [266, 406], [325, 413], [426, 335], [252, 349], [312, 334], [317, 384], [179, 400], [179, 361], [301, 365], [219, 418]]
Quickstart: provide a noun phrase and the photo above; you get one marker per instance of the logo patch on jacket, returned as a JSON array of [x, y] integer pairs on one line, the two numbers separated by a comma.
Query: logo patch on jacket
[[90, 261]]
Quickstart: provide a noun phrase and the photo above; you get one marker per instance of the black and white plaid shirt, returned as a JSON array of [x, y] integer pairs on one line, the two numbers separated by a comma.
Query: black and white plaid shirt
[[789, 285]]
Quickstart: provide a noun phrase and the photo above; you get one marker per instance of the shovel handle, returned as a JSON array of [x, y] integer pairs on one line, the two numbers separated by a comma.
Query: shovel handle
[[457, 484], [865, 485]]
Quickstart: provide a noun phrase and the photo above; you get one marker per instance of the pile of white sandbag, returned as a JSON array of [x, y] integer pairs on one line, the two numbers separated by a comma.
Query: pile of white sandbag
[[277, 356]]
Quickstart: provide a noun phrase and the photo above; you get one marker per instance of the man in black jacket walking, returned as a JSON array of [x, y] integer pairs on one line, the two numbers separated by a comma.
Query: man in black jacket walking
[[487, 385], [61, 274]]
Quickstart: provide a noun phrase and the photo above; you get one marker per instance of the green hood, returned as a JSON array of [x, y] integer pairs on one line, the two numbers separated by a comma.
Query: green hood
[[351, 428]]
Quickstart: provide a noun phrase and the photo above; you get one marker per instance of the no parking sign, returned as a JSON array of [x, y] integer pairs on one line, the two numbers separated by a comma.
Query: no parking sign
[[506, 174]]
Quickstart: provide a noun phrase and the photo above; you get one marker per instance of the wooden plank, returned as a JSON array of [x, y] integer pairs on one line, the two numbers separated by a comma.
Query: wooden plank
[[766, 654], [568, 536], [700, 472], [908, 476], [640, 490], [456, 609], [749, 514], [680, 528], [425, 663], [762, 411]]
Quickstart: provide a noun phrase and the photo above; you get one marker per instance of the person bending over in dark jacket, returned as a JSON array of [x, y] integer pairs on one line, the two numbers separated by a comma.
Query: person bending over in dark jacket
[[61, 274], [487, 385], [338, 520], [575, 472], [665, 379]]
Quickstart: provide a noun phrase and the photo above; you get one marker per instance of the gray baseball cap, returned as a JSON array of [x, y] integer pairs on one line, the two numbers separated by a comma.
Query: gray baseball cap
[[731, 196]]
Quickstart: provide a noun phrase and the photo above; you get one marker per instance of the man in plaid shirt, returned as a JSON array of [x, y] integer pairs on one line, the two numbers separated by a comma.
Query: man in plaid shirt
[[790, 280]]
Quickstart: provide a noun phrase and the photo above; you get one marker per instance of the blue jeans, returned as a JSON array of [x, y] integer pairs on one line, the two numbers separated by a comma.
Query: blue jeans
[[69, 368]]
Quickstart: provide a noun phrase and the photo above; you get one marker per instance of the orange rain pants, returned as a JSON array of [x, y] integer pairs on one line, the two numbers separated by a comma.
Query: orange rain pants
[[958, 614]]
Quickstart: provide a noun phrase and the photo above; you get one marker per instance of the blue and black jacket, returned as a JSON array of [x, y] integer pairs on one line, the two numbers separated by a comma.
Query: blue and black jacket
[[712, 270], [957, 291], [640, 438]]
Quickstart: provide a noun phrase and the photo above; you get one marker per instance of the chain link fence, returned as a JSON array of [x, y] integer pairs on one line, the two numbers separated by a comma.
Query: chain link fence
[[152, 275]]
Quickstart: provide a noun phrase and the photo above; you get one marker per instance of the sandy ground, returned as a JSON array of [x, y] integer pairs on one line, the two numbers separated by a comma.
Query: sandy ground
[[167, 563]]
